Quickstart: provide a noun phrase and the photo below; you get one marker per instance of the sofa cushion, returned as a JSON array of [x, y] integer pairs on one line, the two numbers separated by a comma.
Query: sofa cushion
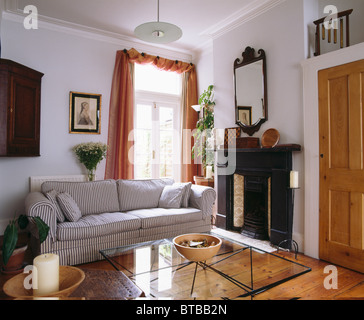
[[69, 206], [156, 217], [91, 197], [171, 196], [97, 225], [140, 194], [52, 197], [185, 193]]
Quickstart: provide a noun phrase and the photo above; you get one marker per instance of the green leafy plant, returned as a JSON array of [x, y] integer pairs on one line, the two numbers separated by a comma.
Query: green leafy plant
[[11, 233], [90, 155], [204, 128], [207, 97]]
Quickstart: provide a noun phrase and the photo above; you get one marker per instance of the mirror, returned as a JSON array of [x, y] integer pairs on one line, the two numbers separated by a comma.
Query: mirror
[[251, 105]]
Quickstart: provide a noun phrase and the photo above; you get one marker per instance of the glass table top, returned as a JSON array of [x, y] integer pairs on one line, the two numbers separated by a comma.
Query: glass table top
[[236, 272]]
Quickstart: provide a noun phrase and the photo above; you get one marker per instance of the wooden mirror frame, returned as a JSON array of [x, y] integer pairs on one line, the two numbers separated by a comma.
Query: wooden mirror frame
[[248, 58]]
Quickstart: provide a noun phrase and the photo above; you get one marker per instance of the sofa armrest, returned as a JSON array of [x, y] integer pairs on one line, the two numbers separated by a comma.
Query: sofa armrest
[[202, 198], [37, 205]]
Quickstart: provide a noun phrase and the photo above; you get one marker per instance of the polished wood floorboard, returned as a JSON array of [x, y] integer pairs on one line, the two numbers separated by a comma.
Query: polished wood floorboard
[[309, 286]]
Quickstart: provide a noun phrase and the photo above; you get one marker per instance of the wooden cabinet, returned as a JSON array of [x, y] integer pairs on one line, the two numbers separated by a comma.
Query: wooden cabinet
[[20, 89]]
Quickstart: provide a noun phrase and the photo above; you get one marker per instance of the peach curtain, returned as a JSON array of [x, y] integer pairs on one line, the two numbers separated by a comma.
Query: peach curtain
[[119, 160]]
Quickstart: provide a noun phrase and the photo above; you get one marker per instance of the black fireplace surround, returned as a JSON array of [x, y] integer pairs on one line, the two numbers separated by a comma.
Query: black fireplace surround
[[275, 163]]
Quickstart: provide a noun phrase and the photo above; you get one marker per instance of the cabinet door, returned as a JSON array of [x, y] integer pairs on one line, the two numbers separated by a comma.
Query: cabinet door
[[24, 117]]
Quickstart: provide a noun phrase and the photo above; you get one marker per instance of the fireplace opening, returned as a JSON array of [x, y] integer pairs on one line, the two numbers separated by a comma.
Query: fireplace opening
[[253, 204]]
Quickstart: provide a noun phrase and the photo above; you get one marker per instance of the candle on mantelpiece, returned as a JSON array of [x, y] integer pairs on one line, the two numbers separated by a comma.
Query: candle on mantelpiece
[[219, 138], [46, 275], [208, 172], [293, 184]]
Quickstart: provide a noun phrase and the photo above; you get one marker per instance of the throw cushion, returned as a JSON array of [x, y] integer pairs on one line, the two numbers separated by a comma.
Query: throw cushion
[[69, 207], [185, 193], [52, 197], [171, 197]]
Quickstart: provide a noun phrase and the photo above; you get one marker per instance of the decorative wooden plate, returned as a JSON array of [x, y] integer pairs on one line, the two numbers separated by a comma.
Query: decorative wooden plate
[[270, 138]]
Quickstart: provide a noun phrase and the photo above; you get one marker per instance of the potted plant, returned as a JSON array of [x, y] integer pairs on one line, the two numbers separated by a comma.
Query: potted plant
[[204, 128], [12, 251], [90, 155]]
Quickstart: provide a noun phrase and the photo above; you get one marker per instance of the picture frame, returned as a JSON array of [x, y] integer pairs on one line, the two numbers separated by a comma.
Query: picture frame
[[245, 115], [85, 113]]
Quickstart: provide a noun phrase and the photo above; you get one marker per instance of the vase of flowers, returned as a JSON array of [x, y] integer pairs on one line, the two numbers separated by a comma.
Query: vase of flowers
[[90, 155]]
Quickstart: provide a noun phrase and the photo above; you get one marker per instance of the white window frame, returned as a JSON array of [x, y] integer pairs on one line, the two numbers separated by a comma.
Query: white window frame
[[158, 100]]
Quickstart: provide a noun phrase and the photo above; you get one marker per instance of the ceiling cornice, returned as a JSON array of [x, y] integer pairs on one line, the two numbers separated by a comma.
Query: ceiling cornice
[[245, 14], [12, 13], [240, 17]]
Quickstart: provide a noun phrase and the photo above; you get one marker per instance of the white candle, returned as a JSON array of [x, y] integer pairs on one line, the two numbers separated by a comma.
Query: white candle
[[219, 138], [46, 274], [208, 172], [293, 183]]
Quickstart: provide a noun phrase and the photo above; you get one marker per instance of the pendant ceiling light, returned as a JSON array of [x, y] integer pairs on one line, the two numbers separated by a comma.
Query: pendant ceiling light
[[158, 32]]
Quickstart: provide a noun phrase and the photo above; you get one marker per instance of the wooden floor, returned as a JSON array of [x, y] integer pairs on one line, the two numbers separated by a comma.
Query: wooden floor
[[309, 286]]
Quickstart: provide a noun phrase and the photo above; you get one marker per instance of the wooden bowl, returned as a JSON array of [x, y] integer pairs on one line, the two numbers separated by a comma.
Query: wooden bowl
[[69, 279], [197, 254]]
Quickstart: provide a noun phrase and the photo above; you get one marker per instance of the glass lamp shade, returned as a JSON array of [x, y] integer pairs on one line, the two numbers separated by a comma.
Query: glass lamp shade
[[196, 107], [158, 32]]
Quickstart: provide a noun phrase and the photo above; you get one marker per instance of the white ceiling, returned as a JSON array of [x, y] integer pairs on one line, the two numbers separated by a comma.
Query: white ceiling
[[196, 18]]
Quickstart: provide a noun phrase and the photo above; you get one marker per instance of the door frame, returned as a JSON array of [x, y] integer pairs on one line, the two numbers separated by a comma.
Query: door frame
[[311, 138]]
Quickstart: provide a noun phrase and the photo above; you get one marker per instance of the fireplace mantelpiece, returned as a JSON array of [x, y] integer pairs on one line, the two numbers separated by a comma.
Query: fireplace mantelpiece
[[274, 162]]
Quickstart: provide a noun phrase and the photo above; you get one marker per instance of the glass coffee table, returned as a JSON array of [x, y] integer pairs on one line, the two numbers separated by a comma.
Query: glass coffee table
[[237, 271]]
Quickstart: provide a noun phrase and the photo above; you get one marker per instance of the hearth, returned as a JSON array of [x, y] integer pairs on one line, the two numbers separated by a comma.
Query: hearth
[[263, 207]]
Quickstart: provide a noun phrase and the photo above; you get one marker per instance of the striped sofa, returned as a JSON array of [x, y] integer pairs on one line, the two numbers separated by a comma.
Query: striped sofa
[[114, 213]]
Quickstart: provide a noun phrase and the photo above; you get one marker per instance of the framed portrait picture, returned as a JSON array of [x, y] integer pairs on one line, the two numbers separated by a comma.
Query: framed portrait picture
[[245, 115], [85, 113]]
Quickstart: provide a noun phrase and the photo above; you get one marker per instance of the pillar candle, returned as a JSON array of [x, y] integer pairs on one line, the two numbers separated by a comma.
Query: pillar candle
[[293, 184], [208, 172], [46, 275], [219, 138]]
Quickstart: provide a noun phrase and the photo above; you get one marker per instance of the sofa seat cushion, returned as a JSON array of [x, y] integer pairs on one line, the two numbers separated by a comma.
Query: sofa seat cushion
[[156, 217], [91, 197], [97, 225]]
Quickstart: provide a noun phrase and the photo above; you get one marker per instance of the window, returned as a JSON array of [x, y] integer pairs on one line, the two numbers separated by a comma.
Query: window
[[157, 127]]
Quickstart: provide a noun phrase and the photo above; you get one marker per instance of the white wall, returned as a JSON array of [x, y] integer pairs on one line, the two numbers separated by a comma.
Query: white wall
[[282, 40], [69, 63], [286, 33], [71, 60], [204, 69]]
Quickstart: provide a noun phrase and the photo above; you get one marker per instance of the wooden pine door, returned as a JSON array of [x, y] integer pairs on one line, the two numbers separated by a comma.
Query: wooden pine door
[[341, 120]]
